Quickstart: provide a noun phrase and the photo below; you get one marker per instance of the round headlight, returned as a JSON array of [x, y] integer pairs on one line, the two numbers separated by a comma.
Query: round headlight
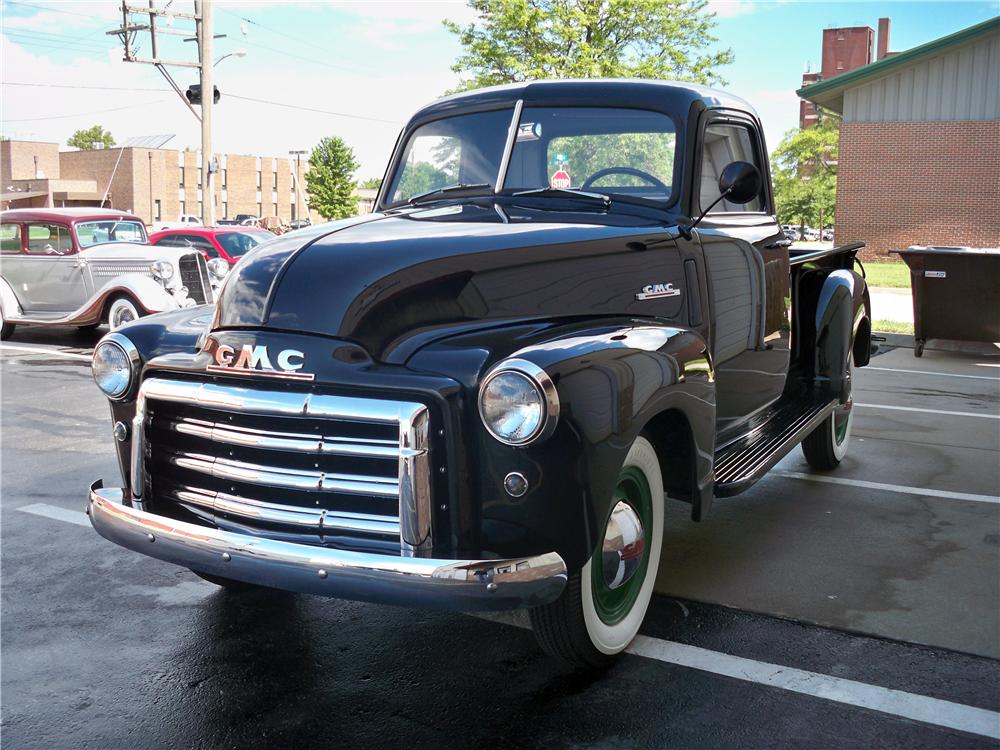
[[113, 368], [218, 267], [517, 402], [162, 270]]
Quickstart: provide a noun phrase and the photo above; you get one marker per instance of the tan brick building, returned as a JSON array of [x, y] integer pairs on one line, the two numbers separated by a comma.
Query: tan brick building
[[919, 159], [155, 184]]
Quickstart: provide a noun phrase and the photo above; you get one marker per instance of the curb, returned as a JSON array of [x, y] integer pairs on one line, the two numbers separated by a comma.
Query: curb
[[905, 340]]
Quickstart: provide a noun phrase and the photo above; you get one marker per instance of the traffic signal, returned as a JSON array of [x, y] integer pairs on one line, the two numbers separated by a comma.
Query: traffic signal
[[193, 94]]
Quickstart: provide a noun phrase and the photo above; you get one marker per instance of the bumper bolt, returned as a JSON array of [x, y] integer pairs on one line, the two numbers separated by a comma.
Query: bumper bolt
[[321, 573], [491, 587], [150, 537], [226, 556], [120, 432]]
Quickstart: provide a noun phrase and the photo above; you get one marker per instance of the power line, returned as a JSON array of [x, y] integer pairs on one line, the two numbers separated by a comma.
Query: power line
[[22, 39], [82, 114], [312, 60], [73, 86], [310, 109], [48, 8]]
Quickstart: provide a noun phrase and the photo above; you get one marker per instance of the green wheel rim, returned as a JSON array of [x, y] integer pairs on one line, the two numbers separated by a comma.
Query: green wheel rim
[[612, 605]]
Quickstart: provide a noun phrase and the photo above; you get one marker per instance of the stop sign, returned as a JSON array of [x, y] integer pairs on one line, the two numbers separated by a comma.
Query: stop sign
[[560, 179]]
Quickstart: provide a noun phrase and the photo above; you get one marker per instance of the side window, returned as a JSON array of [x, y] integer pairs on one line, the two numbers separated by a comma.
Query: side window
[[10, 239], [723, 145], [193, 240], [49, 239]]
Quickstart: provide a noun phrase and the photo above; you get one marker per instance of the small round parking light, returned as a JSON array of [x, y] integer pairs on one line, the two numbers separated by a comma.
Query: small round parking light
[[114, 365], [515, 484]]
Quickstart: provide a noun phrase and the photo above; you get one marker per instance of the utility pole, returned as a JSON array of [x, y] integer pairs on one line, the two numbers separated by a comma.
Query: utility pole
[[298, 172], [203, 8]]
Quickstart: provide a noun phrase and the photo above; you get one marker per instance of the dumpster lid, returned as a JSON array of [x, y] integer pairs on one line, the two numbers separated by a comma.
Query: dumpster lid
[[947, 250]]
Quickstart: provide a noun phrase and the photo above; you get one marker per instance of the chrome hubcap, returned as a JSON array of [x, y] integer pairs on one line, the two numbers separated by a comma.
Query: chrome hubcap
[[624, 543]]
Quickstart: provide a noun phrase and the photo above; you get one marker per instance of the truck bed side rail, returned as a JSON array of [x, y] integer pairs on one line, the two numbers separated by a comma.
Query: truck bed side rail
[[851, 247]]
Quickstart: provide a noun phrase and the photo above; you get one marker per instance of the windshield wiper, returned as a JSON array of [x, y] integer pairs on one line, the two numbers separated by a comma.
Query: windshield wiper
[[551, 192], [460, 187]]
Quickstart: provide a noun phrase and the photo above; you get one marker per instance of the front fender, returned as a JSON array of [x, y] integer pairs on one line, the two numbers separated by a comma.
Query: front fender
[[613, 379], [149, 293], [841, 309]]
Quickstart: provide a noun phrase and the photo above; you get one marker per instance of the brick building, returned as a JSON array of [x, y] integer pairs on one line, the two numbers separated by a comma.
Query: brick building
[[155, 184], [844, 49], [919, 159]]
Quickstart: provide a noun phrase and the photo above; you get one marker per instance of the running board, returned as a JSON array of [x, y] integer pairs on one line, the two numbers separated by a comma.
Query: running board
[[742, 462]]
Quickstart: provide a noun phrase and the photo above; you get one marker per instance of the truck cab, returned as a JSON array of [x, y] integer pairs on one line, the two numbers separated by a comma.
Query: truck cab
[[572, 302]]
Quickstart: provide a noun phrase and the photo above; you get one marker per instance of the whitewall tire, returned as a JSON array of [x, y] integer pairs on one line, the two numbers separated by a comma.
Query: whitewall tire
[[123, 310]]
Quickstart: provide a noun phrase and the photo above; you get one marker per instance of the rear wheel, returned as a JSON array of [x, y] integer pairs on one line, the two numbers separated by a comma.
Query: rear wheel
[[123, 310], [605, 602], [826, 446]]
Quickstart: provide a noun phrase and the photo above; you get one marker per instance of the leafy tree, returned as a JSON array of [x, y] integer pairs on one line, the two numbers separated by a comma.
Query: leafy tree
[[87, 139], [421, 177], [804, 170], [330, 179], [372, 183], [519, 40]]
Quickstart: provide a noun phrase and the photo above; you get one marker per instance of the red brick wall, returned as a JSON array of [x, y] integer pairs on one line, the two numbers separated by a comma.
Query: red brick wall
[[846, 49], [918, 183]]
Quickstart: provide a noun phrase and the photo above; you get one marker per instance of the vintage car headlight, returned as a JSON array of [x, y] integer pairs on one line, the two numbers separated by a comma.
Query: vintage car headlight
[[518, 402], [218, 267], [114, 365], [162, 270]]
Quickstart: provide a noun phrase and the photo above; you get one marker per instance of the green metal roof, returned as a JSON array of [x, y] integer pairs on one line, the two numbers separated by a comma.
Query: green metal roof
[[826, 88]]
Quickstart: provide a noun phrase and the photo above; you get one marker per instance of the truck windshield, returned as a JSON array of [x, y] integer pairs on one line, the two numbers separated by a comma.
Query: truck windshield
[[613, 151], [89, 233]]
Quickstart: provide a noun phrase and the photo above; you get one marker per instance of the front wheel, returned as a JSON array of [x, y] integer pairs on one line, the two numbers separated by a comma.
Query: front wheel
[[605, 602], [123, 310]]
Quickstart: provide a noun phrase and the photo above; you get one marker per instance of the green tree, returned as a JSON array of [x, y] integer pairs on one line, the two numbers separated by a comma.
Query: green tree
[[519, 40], [372, 183], [88, 139], [804, 170], [330, 179]]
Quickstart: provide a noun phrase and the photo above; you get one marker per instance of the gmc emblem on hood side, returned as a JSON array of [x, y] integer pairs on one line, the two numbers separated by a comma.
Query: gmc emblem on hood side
[[256, 360]]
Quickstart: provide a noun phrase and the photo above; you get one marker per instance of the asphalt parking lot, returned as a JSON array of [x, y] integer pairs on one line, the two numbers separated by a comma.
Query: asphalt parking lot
[[856, 609]]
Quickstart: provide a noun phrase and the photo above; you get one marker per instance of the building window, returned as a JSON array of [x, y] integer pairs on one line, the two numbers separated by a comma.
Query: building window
[[183, 207], [225, 178], [156, 210], [840, 65], [260, 207], [181, 181], [225, 210], [200, 175], [274, 180], [294, 217], [200, 209], [258, 179]]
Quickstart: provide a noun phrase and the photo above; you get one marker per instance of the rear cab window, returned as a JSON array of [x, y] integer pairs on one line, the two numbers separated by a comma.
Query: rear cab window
[[10, 239]]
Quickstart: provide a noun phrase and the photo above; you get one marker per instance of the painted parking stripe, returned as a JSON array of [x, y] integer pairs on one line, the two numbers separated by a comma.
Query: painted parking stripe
[[41, 350], [59, 514], [929, 411], [935, 374], [920, 708], [920, 491]]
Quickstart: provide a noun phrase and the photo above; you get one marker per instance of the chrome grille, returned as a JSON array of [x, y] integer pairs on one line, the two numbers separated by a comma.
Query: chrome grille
[[279, 462], [194, 275]]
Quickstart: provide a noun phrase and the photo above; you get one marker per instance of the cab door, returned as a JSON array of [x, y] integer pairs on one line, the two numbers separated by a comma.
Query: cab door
[[50, 276], [746, 259]]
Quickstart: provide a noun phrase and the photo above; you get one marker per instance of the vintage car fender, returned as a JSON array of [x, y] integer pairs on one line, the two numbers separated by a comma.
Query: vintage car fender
[[149, 293], [9, 305], [614, 380], [842, 327]]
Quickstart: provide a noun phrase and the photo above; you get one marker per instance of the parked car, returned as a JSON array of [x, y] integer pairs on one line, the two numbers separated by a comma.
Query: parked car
[[226, 243], [247, 220], [478, 396], [792, 233], [184, 220], [87, 266], [299, 223], [226, 222], [827, 234]]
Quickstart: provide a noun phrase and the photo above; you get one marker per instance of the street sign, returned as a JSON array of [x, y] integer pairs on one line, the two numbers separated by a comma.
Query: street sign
[[561, 179]]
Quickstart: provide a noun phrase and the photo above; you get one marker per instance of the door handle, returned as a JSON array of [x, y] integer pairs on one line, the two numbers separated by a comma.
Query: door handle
[[778, 243], [79, 264]]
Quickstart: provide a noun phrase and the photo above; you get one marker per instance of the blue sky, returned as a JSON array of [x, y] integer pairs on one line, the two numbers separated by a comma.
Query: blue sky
[[376, 60]]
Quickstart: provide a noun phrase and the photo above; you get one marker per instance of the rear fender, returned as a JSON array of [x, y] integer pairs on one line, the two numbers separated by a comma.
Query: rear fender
[[841, 310]]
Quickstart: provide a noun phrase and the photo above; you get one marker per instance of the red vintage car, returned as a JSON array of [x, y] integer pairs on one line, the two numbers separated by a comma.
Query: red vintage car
[[228, 243]]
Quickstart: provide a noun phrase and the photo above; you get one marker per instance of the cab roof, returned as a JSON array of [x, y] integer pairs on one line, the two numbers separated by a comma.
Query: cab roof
[[66, 215], [671, 97]]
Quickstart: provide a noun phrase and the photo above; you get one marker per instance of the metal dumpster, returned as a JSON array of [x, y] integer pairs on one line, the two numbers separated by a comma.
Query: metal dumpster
[[956, 293]]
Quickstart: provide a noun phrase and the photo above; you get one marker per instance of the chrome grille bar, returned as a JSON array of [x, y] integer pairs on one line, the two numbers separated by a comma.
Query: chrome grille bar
[[286, 441]]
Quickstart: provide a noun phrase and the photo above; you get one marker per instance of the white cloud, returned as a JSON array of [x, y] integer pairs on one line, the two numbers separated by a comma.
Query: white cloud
[[730, 8]]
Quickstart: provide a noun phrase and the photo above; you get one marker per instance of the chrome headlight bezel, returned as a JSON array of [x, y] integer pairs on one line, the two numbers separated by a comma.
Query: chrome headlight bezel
[[548, 399], [132, 358], [162, 270], [218, 268]]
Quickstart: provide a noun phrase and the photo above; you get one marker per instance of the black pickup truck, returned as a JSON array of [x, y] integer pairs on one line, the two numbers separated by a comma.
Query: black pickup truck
[[572, 301]]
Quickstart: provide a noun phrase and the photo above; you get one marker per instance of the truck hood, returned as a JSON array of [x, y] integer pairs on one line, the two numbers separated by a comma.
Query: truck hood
[[382, 279]]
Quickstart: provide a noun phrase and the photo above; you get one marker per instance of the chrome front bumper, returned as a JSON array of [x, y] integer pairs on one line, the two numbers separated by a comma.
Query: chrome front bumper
[[462, 585]]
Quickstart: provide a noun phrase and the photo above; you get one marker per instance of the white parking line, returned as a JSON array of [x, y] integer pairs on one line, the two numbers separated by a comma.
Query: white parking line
[[920, 708], [929, 411], [42, 350], [59, 514], [920, 491], [936, 374]]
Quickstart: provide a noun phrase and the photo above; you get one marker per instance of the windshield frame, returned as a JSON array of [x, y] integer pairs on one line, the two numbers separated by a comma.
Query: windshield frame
[[402, 142], [84, 222]]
